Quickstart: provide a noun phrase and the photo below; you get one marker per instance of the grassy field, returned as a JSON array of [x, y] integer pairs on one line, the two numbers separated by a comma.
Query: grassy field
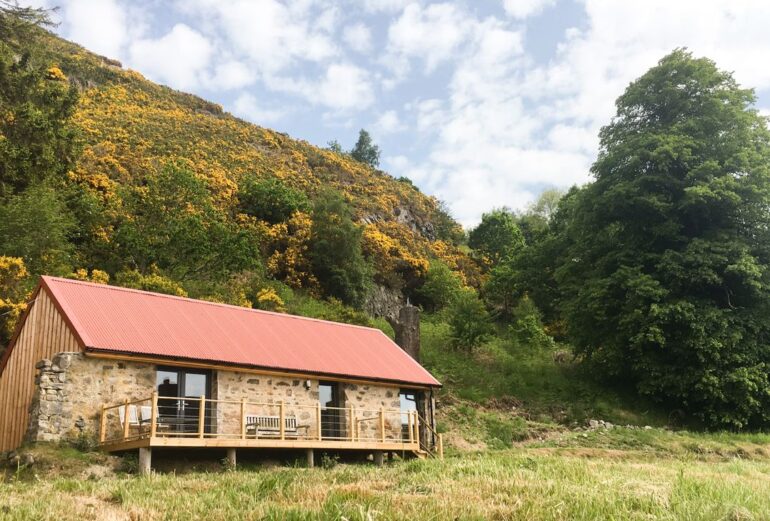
[[617, 474]]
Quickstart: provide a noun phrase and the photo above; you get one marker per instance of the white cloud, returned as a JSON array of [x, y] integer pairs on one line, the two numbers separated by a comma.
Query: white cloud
[[247, 107], [272, 35], [388, 123], [231, 75], [432, 33], [524, 8], [345, 87], [179, 58], [509, 128], [101, 27], [358, 37], [377, 6]]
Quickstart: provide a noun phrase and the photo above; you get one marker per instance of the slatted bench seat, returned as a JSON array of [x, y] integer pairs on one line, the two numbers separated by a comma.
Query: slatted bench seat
[[270, 426]]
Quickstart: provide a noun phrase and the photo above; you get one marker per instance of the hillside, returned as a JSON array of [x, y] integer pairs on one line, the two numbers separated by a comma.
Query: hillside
[[131, 127]]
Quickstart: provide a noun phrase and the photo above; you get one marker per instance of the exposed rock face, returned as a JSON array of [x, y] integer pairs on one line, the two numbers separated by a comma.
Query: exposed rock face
[[383, 302], [407, 328]]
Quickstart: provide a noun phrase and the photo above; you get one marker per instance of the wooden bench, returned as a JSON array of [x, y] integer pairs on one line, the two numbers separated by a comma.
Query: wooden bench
[[270, 426]]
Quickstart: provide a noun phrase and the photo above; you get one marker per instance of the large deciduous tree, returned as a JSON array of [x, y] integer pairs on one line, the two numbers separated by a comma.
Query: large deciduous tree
[[497, 237], [666, 282]]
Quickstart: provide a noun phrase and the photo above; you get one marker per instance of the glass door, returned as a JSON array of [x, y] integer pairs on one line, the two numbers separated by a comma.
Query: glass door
[[410, 401], [332, 419], [179, 393]]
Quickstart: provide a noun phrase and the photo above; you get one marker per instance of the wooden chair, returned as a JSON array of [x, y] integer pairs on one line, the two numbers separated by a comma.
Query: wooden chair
[[146, 415], [133, 420]]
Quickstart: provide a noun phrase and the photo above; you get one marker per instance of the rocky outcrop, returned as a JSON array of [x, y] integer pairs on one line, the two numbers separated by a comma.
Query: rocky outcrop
[[407, 328], [383, 302]]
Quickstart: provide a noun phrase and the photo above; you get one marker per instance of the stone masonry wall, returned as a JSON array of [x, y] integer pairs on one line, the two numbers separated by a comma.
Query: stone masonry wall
[[264, 394], [71, 389]]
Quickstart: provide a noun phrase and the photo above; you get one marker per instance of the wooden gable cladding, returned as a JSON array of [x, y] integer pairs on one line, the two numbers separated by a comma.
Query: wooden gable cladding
[[43, 332]]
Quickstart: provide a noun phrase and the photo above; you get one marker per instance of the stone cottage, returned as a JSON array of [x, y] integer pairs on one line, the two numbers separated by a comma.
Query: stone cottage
[[138, 370]]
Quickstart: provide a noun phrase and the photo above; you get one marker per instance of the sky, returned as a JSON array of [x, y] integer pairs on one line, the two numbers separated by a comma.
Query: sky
[[481, 103]]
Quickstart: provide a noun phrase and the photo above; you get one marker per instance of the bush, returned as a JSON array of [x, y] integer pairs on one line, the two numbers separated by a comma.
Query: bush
[[528, 327], [336, 255], [271, 200], [441, 287], [469, 321]]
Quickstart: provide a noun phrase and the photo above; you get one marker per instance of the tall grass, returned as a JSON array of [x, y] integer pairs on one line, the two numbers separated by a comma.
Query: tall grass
[[532, 484]]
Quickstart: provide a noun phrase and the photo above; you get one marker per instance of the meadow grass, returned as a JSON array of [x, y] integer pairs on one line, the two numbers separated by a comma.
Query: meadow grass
[[566, 481]]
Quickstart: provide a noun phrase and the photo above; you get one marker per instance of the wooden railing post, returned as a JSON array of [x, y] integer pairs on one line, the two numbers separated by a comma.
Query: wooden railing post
[[283, 421], [352, 424], [202, 417], [382, 424], [154, 415], [125, 420], [440, 440], [243, 418], [318, 421], [417, 428], [103, 425], [409, 426]]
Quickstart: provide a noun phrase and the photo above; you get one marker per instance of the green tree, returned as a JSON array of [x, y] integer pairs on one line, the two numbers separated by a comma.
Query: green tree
[[440, 288], [497, 237], [365, 151], [533, 222], [37, 139], [17, 21], [172, 224], [36, 225], [666, 281], [335, 146], [271, 200], [335, 252], [469, 321]]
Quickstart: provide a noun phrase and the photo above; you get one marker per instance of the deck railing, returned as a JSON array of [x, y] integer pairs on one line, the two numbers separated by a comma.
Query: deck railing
[[209, 419]]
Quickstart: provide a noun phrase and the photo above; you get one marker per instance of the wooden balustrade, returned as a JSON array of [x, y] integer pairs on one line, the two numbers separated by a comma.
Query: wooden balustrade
[[168, 422]]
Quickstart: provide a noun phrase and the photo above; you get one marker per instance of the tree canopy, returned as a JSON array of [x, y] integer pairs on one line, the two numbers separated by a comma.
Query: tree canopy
[[665, 279], [497, 237], [365, 151]]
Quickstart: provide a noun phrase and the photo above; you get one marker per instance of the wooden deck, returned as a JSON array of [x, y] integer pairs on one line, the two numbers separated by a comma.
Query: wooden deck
[[168, 422]]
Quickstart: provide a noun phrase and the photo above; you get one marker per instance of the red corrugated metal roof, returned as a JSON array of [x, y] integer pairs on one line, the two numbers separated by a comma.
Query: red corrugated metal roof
[[120, 320]]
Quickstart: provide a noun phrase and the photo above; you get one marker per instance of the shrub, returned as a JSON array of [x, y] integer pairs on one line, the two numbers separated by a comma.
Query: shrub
[[441, 287], [469, 321], [271, 200]]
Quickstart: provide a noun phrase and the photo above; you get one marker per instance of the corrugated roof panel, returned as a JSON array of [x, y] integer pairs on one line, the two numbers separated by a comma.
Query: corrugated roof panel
[[122, 320]]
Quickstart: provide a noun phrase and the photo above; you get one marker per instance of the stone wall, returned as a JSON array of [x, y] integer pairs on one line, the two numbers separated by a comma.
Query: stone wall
[[71, 389], [264, 395]]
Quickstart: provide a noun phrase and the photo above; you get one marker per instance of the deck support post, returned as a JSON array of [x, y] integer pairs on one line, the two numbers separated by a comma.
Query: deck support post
[[379, 459], [145, 461], [440, 445], [310, 453], [231, 458]]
